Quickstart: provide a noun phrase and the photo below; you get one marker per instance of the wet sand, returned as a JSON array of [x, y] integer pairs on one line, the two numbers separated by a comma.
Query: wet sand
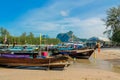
[[109, 53], [105, 66]]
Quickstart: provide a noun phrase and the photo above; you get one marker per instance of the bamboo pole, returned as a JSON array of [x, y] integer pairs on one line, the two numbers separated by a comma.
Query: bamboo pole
[[40, 39]]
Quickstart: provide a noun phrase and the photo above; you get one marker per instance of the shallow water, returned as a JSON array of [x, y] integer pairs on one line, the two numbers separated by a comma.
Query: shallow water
[[97, 64]]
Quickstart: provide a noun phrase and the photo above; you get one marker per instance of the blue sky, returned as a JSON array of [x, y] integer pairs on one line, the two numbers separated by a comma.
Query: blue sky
[[50, 17]]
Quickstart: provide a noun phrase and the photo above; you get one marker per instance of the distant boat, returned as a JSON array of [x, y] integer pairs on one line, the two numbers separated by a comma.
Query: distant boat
[[21, 48], [70, 46]]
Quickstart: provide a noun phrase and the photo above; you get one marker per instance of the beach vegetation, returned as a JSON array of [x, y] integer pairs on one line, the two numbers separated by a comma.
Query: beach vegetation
[[112, 23]]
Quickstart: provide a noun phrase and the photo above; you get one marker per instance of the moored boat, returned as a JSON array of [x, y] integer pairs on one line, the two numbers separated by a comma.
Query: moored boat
[[81, 53], [25, 60]]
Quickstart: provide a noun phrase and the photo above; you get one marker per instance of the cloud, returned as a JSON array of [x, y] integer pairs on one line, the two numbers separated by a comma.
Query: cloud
[[64, 13], [55, 18], [84, 28]]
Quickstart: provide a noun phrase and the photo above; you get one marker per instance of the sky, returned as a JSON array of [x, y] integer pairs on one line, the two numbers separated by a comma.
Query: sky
[[50, 17]]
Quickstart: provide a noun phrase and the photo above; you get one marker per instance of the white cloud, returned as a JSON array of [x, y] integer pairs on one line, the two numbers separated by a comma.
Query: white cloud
[[55, 19], [63, 13], [84, 28]]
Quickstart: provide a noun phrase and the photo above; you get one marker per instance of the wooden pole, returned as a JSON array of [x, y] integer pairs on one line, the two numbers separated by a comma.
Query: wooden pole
[[40, 39], [94, 55]]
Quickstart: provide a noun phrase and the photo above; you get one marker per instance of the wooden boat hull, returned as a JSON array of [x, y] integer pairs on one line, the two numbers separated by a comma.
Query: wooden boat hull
[[59, 62], [80, 54], [85, 54]]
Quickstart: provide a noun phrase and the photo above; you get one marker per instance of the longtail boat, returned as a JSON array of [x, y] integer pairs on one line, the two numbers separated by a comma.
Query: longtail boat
[[26, 60], [82, 53]]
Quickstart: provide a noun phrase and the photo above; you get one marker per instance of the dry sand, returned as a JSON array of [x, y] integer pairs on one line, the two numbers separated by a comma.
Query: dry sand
[[70, 73]]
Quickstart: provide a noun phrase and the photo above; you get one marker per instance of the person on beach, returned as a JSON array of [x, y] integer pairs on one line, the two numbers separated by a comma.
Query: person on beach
[[98, 46]]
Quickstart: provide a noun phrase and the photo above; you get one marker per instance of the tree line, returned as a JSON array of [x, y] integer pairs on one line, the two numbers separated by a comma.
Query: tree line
[[7, 38]]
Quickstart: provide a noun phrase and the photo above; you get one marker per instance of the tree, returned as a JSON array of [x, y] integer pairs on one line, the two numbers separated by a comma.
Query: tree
[[113, 22], [4, 34], [116, 36], [30, 38], [23, 38]]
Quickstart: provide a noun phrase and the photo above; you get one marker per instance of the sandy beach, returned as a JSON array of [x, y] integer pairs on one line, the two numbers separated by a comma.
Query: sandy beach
[[106, 66]]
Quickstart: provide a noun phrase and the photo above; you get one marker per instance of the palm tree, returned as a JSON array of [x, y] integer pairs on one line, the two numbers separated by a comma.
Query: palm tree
[[4, 34], [112, 21]]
